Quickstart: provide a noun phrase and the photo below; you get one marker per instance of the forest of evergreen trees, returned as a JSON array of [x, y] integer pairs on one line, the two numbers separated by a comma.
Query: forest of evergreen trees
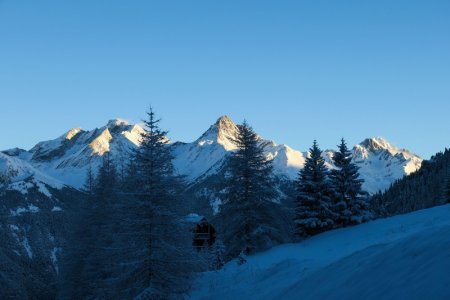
[[128, 239], [428, 187]]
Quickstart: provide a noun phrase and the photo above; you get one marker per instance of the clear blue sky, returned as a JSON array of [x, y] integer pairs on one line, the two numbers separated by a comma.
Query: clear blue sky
[[296, 70]]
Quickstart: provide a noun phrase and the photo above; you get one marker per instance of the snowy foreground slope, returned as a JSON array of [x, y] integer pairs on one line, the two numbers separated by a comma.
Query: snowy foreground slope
[[403, 257]]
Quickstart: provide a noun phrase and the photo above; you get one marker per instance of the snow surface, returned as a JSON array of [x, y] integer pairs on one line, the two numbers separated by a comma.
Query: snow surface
[[21, 210], [403, 257], [27, 247], [54, 258], [100, 145], [56, 209], [193, 218], [23, 176]]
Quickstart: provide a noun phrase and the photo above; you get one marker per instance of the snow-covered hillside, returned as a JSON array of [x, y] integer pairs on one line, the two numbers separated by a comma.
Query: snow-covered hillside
[[403, 257], [69, 156], [17, 174], [32, 227]]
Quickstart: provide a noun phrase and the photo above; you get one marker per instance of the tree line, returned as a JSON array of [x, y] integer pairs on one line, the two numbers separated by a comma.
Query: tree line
[[427, 187]]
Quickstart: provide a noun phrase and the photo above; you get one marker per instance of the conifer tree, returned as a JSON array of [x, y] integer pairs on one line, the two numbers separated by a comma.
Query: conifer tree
[[313, 210], [106, 184], [155, 249], [89, 183], [102, 224], [350, 201], [249, 212], [86, 263]]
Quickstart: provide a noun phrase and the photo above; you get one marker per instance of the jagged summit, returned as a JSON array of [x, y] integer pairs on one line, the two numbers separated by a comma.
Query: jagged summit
[[382, 162], [224, 124], [224, 121], [117, 123], [68, 156], [222, 132], [227, 131], [207, 154], [377, 143]]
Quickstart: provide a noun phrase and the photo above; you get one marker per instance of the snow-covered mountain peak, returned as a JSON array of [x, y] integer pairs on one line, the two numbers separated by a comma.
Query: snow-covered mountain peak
[[225, 122], [69, 156], [117, 123], [207, 154], [375, 144], [381, 163], [378, 145], [223, 132]]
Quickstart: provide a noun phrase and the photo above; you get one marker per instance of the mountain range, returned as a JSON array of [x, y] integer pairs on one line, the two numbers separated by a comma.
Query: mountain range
[[65, 160]]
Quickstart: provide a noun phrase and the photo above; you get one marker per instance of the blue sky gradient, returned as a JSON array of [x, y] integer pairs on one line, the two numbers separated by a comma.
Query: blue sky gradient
[[296, 70]]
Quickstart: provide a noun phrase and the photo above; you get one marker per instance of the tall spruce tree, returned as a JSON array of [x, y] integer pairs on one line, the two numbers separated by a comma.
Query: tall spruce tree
[[313, 210], [79, 243], [350, 201], [249, 213], [102, 220], [153, 248], [86, 264]]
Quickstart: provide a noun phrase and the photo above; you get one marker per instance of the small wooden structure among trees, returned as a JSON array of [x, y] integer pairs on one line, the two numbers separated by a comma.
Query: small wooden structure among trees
[[204, 235]]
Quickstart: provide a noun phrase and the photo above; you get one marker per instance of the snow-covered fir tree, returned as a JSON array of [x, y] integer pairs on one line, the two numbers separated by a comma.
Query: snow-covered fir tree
[[248, 214], [350, 201], [313, 207], [154, 249]]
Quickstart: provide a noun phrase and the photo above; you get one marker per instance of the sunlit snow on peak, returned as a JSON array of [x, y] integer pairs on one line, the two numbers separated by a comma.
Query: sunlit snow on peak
[[72, 132], [117, 122]]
